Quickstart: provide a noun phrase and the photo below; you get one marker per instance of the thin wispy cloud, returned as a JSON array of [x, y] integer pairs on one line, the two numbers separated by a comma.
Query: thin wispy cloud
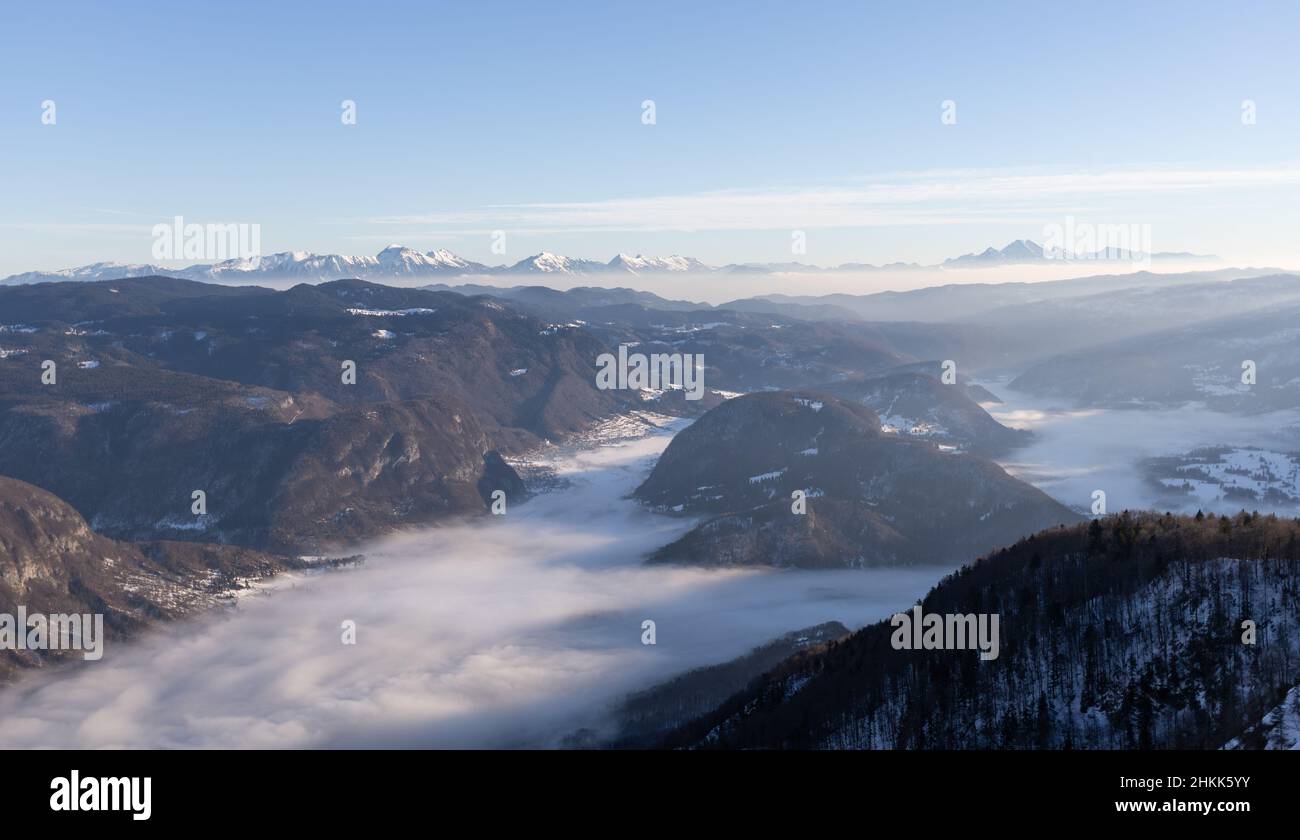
[[951, 197], [78, 228]]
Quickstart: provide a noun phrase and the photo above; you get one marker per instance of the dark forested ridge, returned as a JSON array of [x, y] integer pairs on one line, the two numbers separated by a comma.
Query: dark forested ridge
[[645, 716], [169, 386], [1122, 633], [873, 498]]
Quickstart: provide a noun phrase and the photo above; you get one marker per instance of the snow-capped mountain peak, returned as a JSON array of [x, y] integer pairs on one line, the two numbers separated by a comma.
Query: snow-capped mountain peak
[[399, 253], [403, 261], [1018, 251], [397, 260], [641, 264], [442, 256], [1024, 248], [548, 263]]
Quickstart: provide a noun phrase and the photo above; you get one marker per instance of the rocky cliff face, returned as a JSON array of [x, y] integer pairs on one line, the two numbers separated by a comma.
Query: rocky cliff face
[[52, 562]]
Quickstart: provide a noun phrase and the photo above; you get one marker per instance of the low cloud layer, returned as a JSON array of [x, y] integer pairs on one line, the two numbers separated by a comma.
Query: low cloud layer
[[510, 631], [1077, 451]]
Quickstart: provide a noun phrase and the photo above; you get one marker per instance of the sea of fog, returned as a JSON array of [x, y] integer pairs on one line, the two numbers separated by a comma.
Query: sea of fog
[[1077, 451], [508, 631], [520, 629]]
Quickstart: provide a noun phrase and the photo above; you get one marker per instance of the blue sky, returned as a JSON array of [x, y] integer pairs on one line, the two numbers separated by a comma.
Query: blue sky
[[526, 117]]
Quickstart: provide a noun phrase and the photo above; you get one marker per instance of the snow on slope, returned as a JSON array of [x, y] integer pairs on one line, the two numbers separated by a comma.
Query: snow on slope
[[1280, 728]]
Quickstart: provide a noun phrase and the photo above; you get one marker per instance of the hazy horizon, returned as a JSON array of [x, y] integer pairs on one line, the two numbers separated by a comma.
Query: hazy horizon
[[717, 288]]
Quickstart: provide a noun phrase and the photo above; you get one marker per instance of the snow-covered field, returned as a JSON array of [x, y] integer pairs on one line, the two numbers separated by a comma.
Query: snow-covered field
[[1280, 728], [505, 631], [1233, 476]]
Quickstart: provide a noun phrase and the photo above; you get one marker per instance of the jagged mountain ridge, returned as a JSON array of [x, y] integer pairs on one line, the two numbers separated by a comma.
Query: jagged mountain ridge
[[398, 261], [1027, 251]]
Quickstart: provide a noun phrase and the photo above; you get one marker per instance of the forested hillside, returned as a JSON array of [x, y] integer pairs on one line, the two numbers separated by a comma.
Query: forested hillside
[[1123, 633]]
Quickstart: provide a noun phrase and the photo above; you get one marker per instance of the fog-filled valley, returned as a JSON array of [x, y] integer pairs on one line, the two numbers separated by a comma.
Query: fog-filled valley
[[514, 632], [900, 398], [350, 513]]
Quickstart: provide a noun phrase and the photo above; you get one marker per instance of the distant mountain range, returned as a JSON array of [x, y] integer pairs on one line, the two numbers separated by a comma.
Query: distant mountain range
[[1028, 252], [400, 262]]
